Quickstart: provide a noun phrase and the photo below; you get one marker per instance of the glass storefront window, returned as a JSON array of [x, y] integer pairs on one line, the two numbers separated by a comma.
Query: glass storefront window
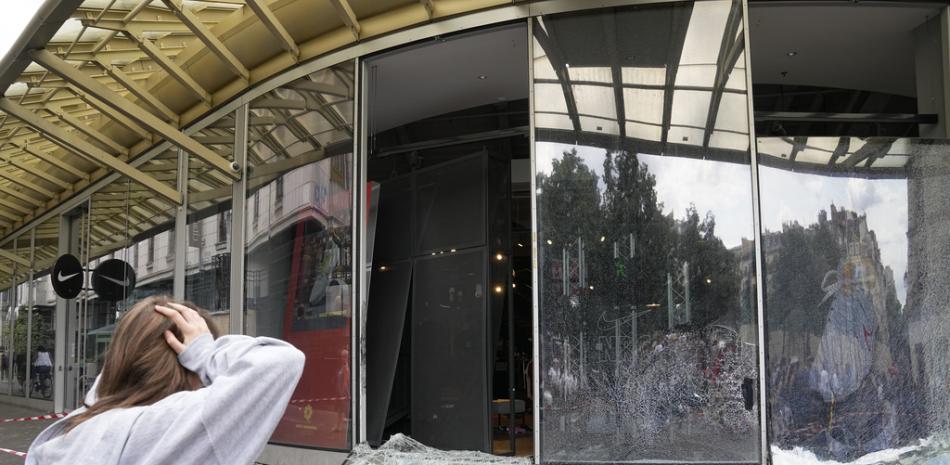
[[125, 222], [298, 244], [645, 236], [856, 299]]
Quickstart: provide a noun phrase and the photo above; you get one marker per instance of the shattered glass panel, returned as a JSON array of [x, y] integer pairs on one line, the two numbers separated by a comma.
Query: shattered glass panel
[[646, 271], [856, 307]]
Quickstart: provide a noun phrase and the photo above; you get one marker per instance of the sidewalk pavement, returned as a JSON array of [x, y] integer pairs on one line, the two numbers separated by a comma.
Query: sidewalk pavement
[[18, 435]]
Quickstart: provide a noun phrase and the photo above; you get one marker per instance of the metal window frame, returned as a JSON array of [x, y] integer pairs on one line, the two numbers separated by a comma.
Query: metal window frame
[[238, 216], [359, 209], [181, 229], [535, 294], [764, 456], [29, 315]]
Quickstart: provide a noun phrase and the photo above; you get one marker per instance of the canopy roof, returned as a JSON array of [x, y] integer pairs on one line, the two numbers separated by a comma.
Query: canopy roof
[[92, 86]]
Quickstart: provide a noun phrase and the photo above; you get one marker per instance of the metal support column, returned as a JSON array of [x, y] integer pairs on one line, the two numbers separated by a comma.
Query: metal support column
[[61, 328], [759, 259], [238, 200], [181, 229], [535, 322], [360, 270], [29, 314]]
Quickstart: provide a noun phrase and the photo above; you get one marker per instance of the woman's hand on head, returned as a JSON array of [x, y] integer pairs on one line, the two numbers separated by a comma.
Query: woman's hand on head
[[188, 321]]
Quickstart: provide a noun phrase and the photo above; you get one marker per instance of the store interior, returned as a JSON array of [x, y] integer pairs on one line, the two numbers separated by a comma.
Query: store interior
[[449, 333]]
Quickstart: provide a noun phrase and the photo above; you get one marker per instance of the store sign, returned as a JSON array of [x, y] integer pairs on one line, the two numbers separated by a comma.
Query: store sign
[[113, 280], [67, 276]]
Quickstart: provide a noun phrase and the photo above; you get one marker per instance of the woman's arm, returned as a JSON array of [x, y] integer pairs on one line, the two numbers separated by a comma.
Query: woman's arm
[[248, 383]]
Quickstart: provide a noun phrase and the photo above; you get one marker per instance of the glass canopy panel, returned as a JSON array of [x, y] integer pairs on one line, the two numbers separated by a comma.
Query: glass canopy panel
[[643, 105], [550, 98], [598, 74], [644, 131], [638, 75], [597, 101], [690, 108]]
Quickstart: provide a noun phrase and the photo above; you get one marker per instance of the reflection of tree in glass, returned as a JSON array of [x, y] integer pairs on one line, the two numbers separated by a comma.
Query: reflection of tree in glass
[[618, 378]]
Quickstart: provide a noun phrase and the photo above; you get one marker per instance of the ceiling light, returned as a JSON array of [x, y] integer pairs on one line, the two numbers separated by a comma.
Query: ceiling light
[[482, 77], [791, 53]]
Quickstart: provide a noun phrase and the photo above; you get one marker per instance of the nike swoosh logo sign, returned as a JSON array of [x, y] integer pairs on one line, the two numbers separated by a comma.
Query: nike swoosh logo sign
[[61, 277], [121, 283]]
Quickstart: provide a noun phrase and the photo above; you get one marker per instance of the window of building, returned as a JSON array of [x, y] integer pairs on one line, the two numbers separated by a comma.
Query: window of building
[[224, 223]]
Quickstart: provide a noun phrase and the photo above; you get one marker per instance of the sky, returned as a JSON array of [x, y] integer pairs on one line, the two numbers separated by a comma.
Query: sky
[[16, 15], [724, 189]]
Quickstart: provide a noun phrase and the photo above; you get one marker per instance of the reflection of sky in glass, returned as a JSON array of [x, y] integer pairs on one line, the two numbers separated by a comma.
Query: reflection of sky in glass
[[789, 197], [724, 189]]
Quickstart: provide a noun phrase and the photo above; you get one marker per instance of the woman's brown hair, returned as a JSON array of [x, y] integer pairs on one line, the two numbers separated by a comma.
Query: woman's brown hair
[[140, 367]]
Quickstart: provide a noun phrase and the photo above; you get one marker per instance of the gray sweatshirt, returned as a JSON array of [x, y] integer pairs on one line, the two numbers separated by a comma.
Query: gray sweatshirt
[[248, 382]]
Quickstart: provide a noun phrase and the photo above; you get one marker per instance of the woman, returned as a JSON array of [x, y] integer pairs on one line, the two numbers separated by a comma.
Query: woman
[[171, 393]]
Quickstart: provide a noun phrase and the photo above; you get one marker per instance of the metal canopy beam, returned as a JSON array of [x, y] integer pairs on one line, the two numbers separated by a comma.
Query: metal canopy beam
[[8, 215], [130, 110], [12, 256], [870, 151], [16, 207], [275, 27], [16, 179], [209, 39], [171, 67], [20, 195], [52, 160], [731, 46], [427, 4], [87, 149], [38, 172], [109, 112], [553, 52], [347, 16], [143, 94], [93, 133], [680, 20], [840, 150]]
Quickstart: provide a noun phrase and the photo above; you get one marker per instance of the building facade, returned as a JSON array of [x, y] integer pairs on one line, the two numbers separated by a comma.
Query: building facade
[[709, 231]]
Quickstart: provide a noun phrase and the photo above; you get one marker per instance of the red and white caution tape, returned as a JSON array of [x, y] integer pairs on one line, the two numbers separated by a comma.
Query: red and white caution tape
[[310, 401], [13, 452], [51, 416]]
